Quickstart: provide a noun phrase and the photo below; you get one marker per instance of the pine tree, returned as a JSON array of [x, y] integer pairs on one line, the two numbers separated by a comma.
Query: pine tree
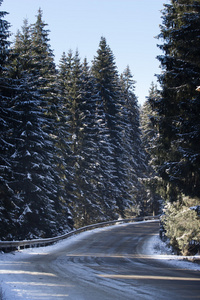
[[6, 206], [180, 102], [148, 121], [91, 196], [64, 75], [44, 69], [33, 181], [85, 122], [21, 53], [92, 171], [41, 51], [86, 208], [38, 193], [70, 83], [65, 126], [107, 83], [150, 136], [134, 155], [178, 156], [4, 42]]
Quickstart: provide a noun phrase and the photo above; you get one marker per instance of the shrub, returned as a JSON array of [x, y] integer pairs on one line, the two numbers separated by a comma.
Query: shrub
[[182, 225]]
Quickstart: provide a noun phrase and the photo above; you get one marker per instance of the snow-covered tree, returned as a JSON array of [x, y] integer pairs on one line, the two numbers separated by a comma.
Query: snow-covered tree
[[134, 155], [6, 206], [21, 52], [36, 188], [92, 171], [178, 157], [107, 83], [64, 78], [86, 127], [42, 53], [150, 136], [4, 42], [178, 107]]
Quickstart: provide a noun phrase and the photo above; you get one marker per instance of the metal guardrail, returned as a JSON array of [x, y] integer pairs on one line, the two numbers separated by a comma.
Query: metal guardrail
[[48, 241]]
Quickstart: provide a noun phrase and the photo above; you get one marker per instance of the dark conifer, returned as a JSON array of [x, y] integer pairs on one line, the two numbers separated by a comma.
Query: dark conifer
[[177, 110], [150, 137], [107, 83], [180, 102], [7, 208], [38, 192]]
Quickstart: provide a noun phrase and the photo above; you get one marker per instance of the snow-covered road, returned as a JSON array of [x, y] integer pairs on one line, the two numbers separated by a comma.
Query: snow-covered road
[[116, 262]]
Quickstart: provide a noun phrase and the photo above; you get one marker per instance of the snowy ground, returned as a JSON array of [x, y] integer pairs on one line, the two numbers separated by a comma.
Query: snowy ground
[[8, 262], [159, 250]]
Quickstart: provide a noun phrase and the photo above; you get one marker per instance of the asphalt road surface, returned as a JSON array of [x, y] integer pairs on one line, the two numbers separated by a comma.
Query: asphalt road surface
[[111, 263]]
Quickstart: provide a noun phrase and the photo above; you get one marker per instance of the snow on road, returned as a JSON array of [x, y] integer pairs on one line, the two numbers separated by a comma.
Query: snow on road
[[13, 289]]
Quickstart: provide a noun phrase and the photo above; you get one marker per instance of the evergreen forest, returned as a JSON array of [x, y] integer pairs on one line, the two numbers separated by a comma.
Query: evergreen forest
[[77, 149]]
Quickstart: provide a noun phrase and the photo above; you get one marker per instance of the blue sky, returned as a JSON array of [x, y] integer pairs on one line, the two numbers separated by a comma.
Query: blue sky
[[129, 26]]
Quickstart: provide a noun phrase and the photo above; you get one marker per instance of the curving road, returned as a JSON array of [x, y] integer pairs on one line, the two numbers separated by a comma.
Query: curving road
[[105, 264]]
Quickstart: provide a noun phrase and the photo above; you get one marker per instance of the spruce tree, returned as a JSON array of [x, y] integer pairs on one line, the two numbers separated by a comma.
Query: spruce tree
[[38, 192], [21, 52], [134, 155], [33, 179], [70, 83], [7, 208], [92, 171], [4, 42], [66, 127], [180, 102], [45, 71], [150, 136], [178, 158], [107, 83], [41, 50]]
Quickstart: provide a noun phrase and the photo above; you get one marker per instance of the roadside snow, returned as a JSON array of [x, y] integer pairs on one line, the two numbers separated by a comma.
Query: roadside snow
[[157, 249]]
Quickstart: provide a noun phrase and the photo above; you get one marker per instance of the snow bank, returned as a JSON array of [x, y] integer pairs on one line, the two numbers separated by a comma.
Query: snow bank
[[159, 250]]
